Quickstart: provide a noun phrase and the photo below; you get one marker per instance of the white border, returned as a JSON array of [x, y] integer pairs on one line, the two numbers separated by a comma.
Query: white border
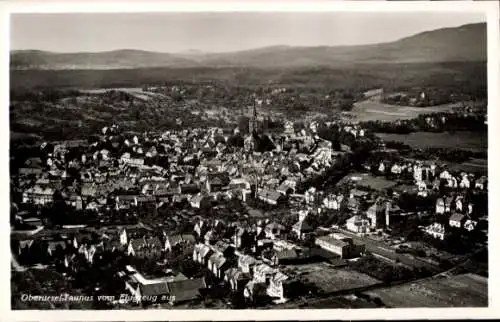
[[488, 7]]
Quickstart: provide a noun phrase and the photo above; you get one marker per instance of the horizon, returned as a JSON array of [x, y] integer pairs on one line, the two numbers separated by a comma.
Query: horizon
[[236, 32]]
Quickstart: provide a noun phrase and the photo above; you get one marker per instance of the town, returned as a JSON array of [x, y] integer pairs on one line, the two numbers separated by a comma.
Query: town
[[320, 213]]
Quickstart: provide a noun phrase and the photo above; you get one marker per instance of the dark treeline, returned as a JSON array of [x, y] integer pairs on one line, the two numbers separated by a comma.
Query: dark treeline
[[445, 154], [438, 122]]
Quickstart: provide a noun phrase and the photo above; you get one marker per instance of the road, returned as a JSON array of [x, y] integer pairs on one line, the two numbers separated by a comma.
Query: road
[[384, 250]]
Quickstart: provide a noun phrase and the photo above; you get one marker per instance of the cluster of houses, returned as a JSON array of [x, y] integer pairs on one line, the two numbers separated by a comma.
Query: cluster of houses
[[119, 172]]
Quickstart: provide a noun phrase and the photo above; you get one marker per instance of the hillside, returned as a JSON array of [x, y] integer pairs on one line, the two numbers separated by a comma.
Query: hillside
[[34, 59], [461, 44]]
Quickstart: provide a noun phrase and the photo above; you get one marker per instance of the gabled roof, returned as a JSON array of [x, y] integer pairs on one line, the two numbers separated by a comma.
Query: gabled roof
[[457, 217], [160, 288], [186, 290], [286, 254]]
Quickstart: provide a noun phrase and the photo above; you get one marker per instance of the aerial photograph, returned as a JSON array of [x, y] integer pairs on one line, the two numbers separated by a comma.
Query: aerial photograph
[[248, 160]]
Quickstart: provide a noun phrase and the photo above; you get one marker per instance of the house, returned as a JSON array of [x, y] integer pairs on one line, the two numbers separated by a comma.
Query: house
[[185, 290], [282, 287], [284, 256], [333, 202], [271, 197], [151, 292], [24, 246], [200, 201], [236, 279], [150, 247], [302, 227], [470, 225], [273, 230], [287, 187], [459, 204], [465, 182], [343, 246], [440, 206], [216, 181], [358, 224], [436, 230], [481, 183], [262, 273], [181, 239], [39, 195], [457, 220], [246, 263], [224, 248], [255, 291], [218, 264], [242, 238], [56, 247], [200, 228], [448, 202], [201, 253], [353, 203], [375, 214]]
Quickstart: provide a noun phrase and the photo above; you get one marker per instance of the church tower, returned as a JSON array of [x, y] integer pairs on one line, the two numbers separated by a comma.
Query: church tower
[[252, 126]]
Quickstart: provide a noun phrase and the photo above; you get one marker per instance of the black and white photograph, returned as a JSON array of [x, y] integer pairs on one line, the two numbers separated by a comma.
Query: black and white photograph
[[250, 160]]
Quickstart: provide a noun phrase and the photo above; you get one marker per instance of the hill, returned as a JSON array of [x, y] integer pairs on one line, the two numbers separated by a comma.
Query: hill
[[35, 59], [461, 44]]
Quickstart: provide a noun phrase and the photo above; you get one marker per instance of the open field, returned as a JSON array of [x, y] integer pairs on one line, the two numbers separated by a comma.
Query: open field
[[464, 140], [468, 290], [472, 165], [137, 92], [368, 180], [328, 279], [373, 110]]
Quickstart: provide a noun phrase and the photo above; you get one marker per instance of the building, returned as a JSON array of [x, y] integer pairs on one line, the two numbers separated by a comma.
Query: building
[[278, 287], [176, 240], [201, 253], [440, 206], [302, 227], [185, 290], [457, 220], [150, 247], [358, 224], [271, 197], [436, 230], [236, 279], [344, 247], [246, 263]]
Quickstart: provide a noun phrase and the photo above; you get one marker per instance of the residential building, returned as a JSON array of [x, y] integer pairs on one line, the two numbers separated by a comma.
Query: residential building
[[344, 247], [358, 224]]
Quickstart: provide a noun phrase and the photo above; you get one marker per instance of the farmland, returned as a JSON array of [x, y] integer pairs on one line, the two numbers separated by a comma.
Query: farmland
[[460, 290], [373, 110], [369, 181], [328, 279], [466, 140]]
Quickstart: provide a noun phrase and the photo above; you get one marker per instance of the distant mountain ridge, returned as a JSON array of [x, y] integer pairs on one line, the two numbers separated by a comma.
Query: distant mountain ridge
[[465, 43]]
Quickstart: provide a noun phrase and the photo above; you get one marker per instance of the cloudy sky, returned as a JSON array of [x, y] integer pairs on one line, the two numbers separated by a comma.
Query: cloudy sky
[[218, 32]]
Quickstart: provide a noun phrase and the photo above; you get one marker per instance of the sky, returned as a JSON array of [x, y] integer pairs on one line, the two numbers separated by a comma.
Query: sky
[[219, 32]]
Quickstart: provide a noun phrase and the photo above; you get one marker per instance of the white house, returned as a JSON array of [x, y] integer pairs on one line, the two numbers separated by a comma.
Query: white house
[[436, 230], [456, 220], [358, 224]]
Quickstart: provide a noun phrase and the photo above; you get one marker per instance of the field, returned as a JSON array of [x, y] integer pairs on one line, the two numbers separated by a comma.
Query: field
[[328, 279], [367, 180], [463, 140], [467, 290], [373, 110], [473, 165]]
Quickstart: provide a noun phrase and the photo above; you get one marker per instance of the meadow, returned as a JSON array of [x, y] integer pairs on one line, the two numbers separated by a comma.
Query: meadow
[[464, 140]]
